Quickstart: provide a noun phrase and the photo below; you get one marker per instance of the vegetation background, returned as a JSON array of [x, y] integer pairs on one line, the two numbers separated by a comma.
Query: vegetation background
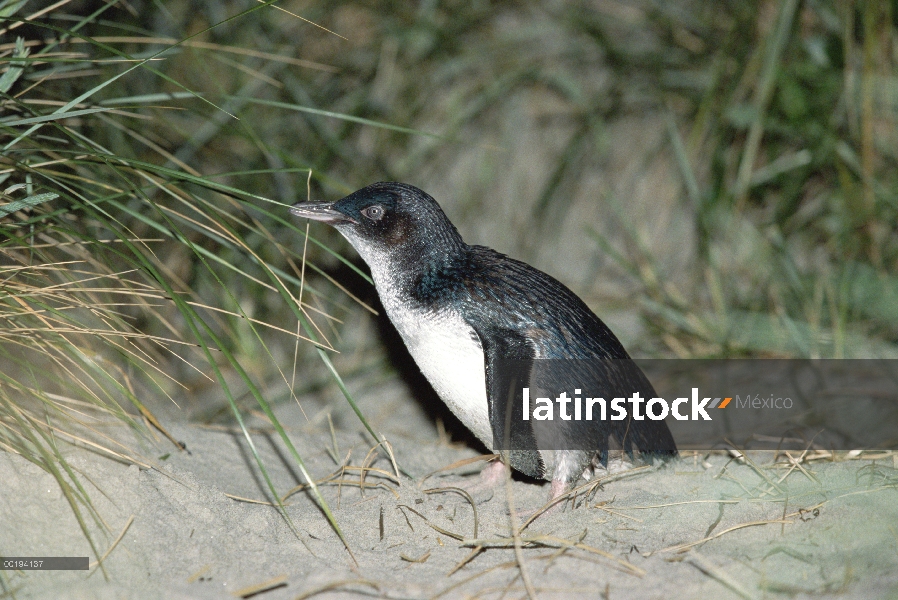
[[715, 179]]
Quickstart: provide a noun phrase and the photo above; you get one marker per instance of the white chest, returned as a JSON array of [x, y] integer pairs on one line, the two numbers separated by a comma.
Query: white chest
[[449, 354], [444, 346]]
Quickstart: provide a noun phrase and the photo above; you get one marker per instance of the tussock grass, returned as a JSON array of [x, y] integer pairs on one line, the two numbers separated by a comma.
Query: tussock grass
[[125, 272]]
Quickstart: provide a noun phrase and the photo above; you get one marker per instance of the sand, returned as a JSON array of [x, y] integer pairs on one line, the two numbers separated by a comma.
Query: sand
[[707, 526]]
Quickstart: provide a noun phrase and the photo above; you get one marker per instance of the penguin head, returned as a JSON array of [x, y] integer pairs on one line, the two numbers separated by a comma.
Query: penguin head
[[388, 222]]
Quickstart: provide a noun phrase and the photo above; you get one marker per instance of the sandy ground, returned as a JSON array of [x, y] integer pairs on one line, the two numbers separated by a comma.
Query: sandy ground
[[702, 526]]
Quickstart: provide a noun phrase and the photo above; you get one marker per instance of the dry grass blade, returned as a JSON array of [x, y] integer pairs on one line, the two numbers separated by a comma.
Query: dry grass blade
[[265, 586], [586, 489], [552, 541], [421, 559], [459, 464], [436, 528], [464, 494], [338, 585], [334, 479], [253, 501], [687, 546], [742, 456], [523, 572], [474, 552], [702, 563], [114, 543]]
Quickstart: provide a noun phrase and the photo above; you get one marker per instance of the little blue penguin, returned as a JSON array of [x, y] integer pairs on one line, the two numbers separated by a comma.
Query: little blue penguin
[[463, 309]]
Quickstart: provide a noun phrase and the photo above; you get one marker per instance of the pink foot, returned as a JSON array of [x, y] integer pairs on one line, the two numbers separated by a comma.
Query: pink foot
[[557, 489], [492, 475]]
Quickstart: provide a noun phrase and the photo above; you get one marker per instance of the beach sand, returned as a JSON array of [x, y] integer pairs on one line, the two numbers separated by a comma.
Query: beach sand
[[708, 526]]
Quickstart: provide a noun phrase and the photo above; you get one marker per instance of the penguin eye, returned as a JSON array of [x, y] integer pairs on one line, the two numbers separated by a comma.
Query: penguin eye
[[375, 212]]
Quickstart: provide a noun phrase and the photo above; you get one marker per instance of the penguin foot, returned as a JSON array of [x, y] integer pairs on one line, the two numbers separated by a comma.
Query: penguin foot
[[491, 476]]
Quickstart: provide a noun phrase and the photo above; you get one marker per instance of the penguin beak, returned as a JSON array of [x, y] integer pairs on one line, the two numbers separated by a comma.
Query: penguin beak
[[320, 211]]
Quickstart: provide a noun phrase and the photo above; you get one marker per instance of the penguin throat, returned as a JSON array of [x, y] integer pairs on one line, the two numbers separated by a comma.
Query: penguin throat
[[419, 270], [441, 278]]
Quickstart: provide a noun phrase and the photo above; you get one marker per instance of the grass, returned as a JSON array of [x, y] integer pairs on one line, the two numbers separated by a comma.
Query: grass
[[92, 301], [148, 151]]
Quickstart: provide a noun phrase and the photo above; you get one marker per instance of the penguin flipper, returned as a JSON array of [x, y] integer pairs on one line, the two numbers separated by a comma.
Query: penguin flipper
[[508, 359]]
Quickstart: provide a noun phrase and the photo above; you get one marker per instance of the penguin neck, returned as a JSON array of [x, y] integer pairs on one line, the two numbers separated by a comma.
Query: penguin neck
[[422, 274]]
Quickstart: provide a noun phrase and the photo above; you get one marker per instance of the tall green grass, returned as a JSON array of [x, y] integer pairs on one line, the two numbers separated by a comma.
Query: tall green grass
[[123, 268]]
